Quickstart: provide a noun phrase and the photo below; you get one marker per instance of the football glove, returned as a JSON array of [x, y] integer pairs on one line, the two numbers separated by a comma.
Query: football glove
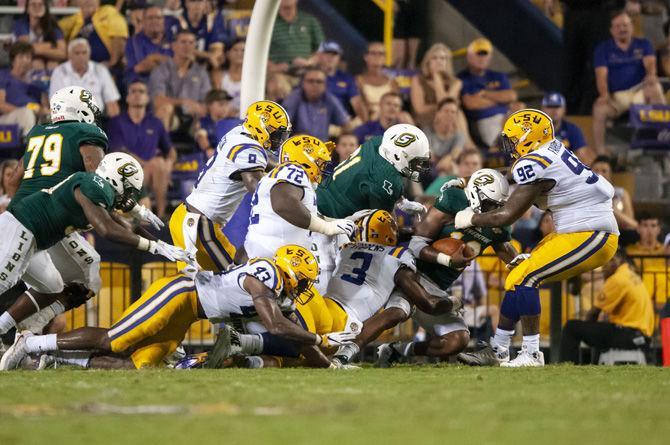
[[143, 214], [337, 338], [463, 219], [517, 260], [411, 207]]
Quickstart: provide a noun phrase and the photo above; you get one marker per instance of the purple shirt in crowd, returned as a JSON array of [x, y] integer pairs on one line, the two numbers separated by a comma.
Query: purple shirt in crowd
[[314, 117], [625, 69], [138, 48], [145, 140], [368, 130], [18, 92]]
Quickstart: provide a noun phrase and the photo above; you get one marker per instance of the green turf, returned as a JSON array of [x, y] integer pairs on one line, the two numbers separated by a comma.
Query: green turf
[[428, 404]]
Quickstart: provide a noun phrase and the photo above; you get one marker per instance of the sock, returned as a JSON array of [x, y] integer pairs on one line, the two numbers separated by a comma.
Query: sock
[[509, 307], [531, 342], [254, 361], [279, 346], [501, 340], [406, 349], [41, 343], [36, 322], [251, 343], [74, 361], [348, 352], [6, 323]]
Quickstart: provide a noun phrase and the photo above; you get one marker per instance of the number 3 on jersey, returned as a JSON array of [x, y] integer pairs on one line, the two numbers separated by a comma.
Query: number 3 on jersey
[[50, 149], [361, 272]]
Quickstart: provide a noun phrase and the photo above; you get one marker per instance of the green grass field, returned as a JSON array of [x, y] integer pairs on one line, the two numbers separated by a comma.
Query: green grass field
[[420, 404]]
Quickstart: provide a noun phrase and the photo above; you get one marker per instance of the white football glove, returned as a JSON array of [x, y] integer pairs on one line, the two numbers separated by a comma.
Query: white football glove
[[517, 260], [411, 207], [172, 253], [337, 338], [341, 227], [457, 182], [143, 214], [463, 219], [359, 215]]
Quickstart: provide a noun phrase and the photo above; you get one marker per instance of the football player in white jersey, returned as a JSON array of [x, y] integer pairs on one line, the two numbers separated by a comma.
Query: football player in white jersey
[[235, 169], [152, 327], [551, 177]]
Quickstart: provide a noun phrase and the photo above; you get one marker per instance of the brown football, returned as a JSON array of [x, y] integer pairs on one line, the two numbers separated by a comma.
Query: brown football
[[450, 245]]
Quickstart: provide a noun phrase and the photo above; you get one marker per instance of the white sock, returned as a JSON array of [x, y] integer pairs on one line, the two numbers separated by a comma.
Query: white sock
[[41, 343], [407, 349], [74, 361], [251, 344], [36, 322], [501, 340], [531, 342], [7, 322], [255, 361]]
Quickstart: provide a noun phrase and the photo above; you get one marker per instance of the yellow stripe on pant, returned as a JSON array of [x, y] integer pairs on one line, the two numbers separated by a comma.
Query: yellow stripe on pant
[[560, 256], [214, 251], [153, 326]]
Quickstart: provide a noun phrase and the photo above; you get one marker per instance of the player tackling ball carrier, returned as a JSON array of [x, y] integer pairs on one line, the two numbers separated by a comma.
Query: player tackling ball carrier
[[586, 237]]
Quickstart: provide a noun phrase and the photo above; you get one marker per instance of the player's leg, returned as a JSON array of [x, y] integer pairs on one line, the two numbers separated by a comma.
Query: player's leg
[[15, 251], [159, 179], [217, 249]]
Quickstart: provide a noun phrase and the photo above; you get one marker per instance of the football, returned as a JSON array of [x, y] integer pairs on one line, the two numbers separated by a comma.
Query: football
[[450, 245]]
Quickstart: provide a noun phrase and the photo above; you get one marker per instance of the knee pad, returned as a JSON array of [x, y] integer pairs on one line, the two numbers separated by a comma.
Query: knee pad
[[509, 307], [275, 345], [528, 300]]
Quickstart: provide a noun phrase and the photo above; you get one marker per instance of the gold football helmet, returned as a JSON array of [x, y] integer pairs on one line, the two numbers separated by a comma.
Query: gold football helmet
[[268, 123], [379, 227], [310, 152], [299, 270], [525, 131]]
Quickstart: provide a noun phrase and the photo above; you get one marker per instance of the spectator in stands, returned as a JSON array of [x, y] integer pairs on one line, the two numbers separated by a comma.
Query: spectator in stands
[[80, 71], [210, 31], [390, 113], [445, 138], [277, 87], [408, 30], [340, 84], [142, 135], [435, 81], [622, 203], [625, 68], [148, 48], [373, 83], [230, 79], [663, 53], [105, 29], [486, 94], [20, 102], [630, 315], [7, 168], [178, 86], [654, 271], [135, 13], [295, 37], [218, 104], [553, 103], [312, 109], [467, 162], [347, 143], [38, 27]]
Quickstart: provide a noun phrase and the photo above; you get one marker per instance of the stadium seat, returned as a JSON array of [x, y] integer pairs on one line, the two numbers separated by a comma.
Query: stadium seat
[[622, 357]]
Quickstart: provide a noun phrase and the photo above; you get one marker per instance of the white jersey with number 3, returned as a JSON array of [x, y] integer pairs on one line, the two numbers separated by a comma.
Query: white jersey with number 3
[[219, 188], [268, 231], [364, 277], [223, 297], [580, 200]]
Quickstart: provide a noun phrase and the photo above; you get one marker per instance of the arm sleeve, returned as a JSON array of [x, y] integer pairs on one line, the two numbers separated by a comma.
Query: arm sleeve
[[612, 293], [647, 48], [290, 103], [93, 135], [164, 141], [528, 170], [577, 140], [158, 81], [131, 53], [470, 87], [504, 82], [19, 28], [451, 200], [599, 56], [98, 191], [352, 90]]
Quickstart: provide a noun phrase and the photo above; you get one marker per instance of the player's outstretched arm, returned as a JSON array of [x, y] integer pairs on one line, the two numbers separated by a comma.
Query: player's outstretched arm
[[505, 251], [91, 155], [521, 200], [407, 280]]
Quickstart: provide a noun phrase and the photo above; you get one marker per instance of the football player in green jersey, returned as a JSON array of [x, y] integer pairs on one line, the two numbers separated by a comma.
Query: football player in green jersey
[[81, 201]]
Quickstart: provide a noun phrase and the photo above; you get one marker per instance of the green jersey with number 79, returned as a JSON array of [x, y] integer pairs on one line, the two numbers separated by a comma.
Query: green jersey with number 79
[[53, 213], [365, 180], [52, 154]]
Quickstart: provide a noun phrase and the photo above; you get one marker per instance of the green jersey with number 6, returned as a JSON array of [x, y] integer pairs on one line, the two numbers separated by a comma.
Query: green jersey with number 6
[[451, 201], [364, 181], [53, 213], [52, 154]]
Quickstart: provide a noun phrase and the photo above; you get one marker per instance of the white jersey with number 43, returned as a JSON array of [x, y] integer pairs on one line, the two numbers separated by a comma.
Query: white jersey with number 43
[[222, 296], [580, 200], [365, 277], [219, 188]]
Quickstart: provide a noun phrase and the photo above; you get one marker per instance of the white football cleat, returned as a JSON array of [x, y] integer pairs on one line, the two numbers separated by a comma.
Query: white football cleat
[[16, 353], [387, 355], [486, 356], [227, 344], [525, 359]]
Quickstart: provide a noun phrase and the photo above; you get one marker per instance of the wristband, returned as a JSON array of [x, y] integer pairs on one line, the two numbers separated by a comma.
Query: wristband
[[143, 244], [444, 259], [317, 224], [318, 339]]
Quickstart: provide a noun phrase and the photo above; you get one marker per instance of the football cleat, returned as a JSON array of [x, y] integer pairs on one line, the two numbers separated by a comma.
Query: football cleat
[[227, 344], [194, 361], [486, 356], [46, 361], [16, 353], [525, 359], [387, 355]]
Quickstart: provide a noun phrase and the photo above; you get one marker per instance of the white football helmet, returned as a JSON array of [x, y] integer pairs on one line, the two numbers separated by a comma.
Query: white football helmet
[[487, 189], [123, 173], [74, 104], [406, 147]]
